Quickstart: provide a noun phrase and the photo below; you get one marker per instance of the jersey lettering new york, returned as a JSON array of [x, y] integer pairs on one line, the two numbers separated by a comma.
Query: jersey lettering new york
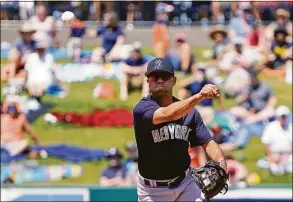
[[170, 132]]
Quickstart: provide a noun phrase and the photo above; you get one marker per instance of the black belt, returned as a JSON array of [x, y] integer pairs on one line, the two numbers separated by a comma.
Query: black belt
[[170, 184]]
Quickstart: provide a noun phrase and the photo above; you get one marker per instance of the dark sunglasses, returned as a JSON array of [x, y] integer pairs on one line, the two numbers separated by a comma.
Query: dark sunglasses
[[163, 76]]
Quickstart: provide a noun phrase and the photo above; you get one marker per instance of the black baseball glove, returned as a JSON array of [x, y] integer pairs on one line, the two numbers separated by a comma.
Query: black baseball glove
[[211, 179]]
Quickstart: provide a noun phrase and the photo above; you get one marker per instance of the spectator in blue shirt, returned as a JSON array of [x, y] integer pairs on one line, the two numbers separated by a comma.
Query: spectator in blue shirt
[[133, 69], [131, 149], [17, 56], [193, 85], [74, 45], [256, 102], [115, 173], [240, 25], [112, 36]]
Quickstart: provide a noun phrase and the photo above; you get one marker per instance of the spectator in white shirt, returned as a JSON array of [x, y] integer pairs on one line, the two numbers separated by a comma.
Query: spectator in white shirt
[[239, 57], [40, 68], [277, 138]]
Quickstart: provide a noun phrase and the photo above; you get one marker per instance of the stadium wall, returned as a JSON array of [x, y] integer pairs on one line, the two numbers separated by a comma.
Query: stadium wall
[[92, 193], [196, 35]]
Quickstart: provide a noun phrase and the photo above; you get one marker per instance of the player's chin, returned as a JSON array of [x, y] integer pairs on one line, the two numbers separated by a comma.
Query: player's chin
[[160, 91]]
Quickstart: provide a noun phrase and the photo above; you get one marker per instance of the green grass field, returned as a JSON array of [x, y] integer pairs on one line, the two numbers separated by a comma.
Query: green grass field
[[80, 100]]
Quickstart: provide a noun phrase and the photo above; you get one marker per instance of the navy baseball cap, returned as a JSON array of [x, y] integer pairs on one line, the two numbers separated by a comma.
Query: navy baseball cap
[[159, 65]]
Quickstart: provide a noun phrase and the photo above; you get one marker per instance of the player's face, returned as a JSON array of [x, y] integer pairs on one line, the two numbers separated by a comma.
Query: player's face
[[161, 83]]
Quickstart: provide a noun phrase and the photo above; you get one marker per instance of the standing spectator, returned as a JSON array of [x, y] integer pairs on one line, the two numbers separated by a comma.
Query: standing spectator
[[13, 126], [112, 39], [161, 36], [74, 45], [256, 102], [115, 173], [277, 138], [45, 25], [183, 59], [39, 67], [133, 69], [26, 9], [18, 55], [240, 25]]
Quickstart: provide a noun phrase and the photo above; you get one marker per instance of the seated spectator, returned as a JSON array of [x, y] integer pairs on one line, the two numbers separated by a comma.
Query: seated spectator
[[280, 56], [112, 40], [239, 57], [219, 36], [133, 69], [277, 138], [39, 67], [45, 26], [282, 21], [18, 55], [114, 175], [232, 86], [182, 58], [240, 136], [192, 85], [74, 45], [256, 102], [131, 177], [13, 126], [131, 149]]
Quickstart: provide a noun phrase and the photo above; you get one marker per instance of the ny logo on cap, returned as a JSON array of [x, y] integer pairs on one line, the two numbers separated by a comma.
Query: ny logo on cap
[[158, 64]]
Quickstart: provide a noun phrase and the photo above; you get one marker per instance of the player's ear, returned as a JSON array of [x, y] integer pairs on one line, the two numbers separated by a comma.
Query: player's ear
[[174, 80]]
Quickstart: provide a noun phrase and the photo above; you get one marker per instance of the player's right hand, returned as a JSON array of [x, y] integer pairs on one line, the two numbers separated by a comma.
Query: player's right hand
[[209, 91]]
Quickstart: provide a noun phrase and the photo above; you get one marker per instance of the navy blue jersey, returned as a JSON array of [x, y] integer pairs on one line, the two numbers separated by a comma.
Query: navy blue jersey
[[163, 148]]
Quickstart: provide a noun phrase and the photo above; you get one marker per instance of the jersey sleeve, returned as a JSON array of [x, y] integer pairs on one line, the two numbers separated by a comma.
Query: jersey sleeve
[[144, 111], [200, 134]]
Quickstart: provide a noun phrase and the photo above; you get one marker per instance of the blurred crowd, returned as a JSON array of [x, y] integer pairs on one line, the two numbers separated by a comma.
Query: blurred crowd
[[245, 49]]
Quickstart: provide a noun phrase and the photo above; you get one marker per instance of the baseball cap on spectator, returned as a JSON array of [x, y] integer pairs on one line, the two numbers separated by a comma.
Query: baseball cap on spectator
[[218, 29], [132, 147], [159, 65], [136, 46], [282, 111], [114, 153], [282, 13], [180, 37], [27, 27]]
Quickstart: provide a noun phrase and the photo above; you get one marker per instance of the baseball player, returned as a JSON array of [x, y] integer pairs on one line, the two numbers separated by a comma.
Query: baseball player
[[165, 127]]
